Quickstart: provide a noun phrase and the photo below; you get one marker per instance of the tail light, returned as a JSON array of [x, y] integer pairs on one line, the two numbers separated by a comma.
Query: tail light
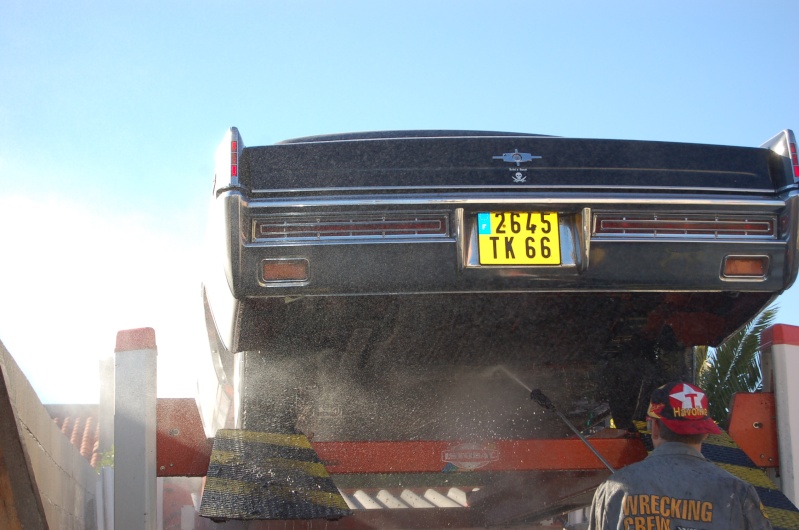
[[234, 158], [226, 161], [702, 226], [351, 226]]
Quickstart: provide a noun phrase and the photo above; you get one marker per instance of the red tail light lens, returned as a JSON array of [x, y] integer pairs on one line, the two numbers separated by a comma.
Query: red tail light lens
[[674, 226], [368, 226], [234, 158]]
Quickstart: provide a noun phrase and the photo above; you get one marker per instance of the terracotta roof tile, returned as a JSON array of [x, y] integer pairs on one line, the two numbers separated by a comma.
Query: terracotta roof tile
[[80, 425]]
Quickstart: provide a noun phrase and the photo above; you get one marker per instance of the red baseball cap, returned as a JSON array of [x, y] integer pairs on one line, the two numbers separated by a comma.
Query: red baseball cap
[[683, 408]]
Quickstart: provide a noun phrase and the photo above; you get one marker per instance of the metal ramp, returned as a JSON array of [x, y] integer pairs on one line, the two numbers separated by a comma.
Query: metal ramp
[[401, 484], [255, 475], [723, 451]]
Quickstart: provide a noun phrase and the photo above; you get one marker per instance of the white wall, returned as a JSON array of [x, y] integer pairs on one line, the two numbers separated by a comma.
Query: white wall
[[65, 479]]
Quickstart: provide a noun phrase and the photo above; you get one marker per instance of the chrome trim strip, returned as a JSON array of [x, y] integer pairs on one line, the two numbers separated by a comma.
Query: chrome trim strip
[[449, 187], [792, 187], [305, 243], [472, 248], [438, 200], [688, 239], [585, 240], [408, 138], [459, 231], [791, 255]]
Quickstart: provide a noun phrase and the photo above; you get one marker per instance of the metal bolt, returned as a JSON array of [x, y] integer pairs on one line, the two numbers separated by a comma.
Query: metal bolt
[[757, 425]]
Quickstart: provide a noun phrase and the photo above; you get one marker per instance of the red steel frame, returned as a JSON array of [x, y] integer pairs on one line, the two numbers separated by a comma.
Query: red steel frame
[[182, 450], [509, 455]]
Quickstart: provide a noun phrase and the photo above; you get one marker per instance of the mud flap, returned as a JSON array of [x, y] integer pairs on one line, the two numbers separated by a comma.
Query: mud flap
[[255, 475]]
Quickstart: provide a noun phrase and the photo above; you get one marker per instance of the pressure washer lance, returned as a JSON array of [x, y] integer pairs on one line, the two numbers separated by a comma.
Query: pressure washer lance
[[544, 401]]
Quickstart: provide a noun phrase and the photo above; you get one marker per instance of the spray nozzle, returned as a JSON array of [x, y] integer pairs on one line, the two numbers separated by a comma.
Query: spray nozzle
[[540, 398]]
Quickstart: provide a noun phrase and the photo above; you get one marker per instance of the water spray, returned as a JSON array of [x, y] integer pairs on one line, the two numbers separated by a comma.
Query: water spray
[[540, 398]]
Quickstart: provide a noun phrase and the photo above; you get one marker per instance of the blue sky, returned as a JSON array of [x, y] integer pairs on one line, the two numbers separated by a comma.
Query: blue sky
[[110, 113]]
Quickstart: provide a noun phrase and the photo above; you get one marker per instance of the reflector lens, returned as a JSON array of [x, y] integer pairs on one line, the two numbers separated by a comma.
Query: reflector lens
[[794, 161], [285, 270], [746, 266]]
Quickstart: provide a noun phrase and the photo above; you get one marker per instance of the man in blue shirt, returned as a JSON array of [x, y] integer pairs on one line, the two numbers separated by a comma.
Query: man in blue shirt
[[675, 488]]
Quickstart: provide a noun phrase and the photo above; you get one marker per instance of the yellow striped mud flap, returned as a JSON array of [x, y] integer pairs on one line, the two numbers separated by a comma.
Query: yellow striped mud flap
[[254, 475], [722, 450]]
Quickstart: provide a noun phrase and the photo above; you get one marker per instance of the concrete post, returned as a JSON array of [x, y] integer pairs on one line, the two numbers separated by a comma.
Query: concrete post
[[780, 373], [135, 489], [106, 412]]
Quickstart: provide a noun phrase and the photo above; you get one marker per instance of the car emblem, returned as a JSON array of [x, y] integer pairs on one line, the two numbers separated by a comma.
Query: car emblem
[[516, 157], [519, 178]]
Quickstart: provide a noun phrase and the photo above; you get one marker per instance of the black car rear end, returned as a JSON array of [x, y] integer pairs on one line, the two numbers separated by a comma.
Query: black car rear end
[[446, 250]]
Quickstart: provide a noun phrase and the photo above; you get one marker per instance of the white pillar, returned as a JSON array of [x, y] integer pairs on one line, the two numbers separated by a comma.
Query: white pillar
[[106, 412], [781, 372], [105, 499], [135, 490]]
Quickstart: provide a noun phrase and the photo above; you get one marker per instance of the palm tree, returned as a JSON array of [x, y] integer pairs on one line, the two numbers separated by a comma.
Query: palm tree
[[734, 366]]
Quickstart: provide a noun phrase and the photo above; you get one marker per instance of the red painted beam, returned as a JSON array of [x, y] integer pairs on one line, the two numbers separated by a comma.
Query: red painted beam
[[779, 334], [183, 450], [499, 455], [181, 447]]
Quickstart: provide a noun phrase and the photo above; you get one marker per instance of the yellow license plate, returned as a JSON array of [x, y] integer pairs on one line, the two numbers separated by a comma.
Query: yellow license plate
[[518, 238]]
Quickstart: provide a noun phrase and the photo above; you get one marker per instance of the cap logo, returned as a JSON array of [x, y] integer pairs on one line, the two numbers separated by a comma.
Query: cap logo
[[688, 402]]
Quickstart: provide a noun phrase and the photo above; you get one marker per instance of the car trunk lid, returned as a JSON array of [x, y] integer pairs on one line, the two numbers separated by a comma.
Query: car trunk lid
[[512, 162]]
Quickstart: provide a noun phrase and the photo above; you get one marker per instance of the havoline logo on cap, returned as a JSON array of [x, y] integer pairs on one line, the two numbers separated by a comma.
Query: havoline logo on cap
[[688, 402]]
